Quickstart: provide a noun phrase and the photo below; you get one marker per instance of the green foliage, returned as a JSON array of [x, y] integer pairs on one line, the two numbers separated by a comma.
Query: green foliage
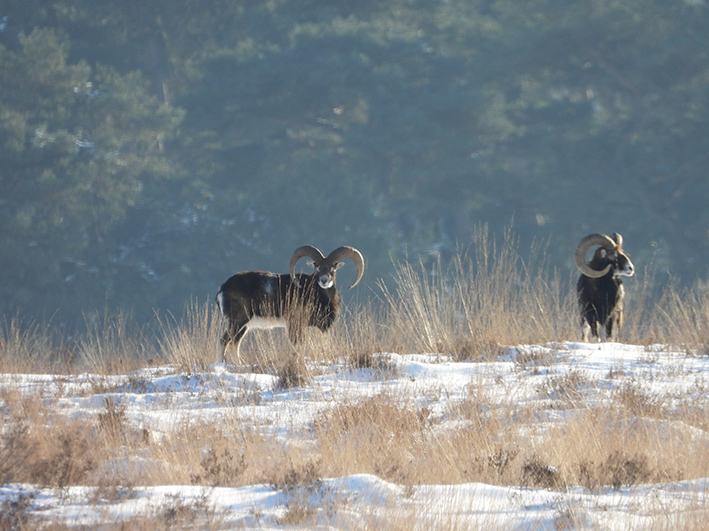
[[151, 149], [79, 144]]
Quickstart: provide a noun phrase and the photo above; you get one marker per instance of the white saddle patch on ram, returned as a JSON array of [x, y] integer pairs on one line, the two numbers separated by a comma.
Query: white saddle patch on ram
[[267, 323]]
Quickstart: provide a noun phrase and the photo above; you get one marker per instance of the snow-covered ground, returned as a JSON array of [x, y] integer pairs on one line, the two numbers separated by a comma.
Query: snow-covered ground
[[160, 399]]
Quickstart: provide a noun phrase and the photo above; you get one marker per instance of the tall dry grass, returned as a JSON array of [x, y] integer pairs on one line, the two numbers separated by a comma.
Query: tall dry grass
[[190, 342], [112, 344], [108, 344], [682, 316], [28, 348], [488, 296]]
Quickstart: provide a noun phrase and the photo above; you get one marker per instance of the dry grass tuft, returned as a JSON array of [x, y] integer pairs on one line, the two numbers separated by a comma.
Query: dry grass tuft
[[30, 348], [191, 343], [598, 448], [536, 473], [38, 448], [379, 436], [112, 345], [292, 373], [299, 514], [568, 388], [14, 514], [214, 454], [490, 298], [639, 403], [295, 468]]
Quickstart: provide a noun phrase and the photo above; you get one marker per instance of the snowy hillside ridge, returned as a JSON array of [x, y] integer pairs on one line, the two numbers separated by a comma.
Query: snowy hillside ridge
[[531, 406]]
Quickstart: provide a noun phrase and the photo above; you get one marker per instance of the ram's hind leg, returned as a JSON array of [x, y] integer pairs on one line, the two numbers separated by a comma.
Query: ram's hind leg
[[233, 337]]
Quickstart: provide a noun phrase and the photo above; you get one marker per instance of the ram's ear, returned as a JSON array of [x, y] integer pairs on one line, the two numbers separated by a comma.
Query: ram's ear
[[338, 265], [311, 263], [602, 252]]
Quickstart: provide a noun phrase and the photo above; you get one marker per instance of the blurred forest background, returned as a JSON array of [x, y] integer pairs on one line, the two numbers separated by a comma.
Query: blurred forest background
[[151, 148]]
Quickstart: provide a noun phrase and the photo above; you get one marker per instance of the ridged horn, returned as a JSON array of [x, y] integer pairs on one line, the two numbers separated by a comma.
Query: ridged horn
[[348, 252], [584, 245], [302, 252], [618, 240]]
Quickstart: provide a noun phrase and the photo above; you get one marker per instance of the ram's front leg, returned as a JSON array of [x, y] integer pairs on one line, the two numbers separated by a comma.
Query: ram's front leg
[[614, 324]]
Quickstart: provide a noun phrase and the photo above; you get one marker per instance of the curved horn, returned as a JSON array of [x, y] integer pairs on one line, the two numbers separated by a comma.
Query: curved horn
[[348, 252], [618, 239], [305, 251], [584, 245]]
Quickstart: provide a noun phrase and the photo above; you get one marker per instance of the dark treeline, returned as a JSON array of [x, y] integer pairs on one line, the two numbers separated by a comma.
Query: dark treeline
[[149, 149]]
